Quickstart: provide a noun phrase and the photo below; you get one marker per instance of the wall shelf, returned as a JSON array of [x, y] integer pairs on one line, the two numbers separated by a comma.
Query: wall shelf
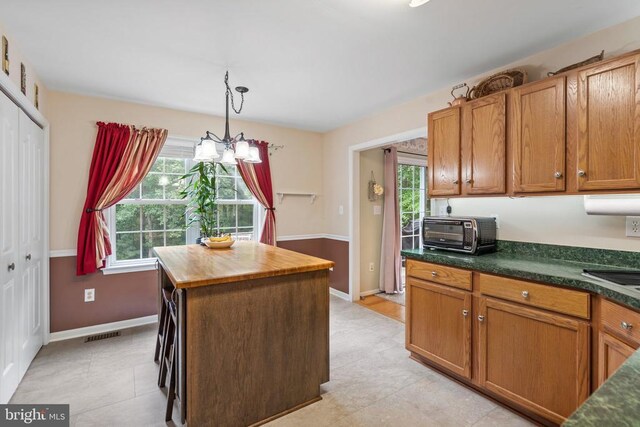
[[282, 195]]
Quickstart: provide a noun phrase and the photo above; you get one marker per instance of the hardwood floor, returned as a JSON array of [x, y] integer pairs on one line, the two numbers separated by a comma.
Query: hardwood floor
[[384, 307]]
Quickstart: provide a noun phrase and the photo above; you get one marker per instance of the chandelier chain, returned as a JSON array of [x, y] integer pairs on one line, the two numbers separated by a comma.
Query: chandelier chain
[[233, 105]]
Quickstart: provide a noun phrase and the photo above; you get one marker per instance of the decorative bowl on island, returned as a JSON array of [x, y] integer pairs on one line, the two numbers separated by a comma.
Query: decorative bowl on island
[[218, 242]]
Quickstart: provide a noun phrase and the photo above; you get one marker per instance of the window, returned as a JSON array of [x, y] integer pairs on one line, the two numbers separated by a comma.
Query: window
[[154, 214], [414, 204]]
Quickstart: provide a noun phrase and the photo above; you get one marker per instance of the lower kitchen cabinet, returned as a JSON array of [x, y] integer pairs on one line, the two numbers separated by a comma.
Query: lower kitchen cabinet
[[533, 358], [611, 354], [438, 325]]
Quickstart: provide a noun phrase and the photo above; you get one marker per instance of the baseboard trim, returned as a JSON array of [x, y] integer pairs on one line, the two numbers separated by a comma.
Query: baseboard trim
[[100, 329], [339, 294], [371, 292]]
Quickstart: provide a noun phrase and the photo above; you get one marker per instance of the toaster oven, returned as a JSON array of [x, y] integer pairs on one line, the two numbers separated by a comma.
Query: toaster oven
[[472, 235]]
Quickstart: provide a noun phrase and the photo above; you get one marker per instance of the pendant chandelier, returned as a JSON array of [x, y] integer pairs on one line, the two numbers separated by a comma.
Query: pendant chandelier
[[233, 149]]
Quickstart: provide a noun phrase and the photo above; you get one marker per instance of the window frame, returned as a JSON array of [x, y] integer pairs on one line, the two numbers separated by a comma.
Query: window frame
[[173, 144]]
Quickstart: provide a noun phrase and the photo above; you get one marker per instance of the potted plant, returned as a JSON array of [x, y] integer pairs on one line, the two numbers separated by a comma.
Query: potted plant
[[202, 192]]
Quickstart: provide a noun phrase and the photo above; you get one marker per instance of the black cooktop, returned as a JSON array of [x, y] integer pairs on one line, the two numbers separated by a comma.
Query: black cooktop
[[625, 278]]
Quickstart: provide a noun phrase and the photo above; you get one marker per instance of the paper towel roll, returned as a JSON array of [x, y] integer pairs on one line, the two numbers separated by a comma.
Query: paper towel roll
[[612, 205]]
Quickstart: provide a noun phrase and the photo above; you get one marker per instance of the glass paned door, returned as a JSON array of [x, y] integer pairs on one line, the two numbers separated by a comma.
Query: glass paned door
[[414, 203]]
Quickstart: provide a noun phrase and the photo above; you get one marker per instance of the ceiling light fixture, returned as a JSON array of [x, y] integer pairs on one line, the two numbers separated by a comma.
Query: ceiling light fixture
[[416, 3], [234, 149]]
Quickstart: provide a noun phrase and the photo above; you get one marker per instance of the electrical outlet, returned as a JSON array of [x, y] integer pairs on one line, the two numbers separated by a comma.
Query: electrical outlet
[[371, 266], [442, 211], [633, 226], [340, 210], [89, 295], [497, 218]]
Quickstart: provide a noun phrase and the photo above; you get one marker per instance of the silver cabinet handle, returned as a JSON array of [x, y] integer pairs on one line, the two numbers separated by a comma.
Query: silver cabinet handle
[[481, 318], [525, 294], [582, 173], [558, 175], [456, 181], [465, 313], [11, 266], [468, 181], [626, 326], [434, 273], [28, 257]]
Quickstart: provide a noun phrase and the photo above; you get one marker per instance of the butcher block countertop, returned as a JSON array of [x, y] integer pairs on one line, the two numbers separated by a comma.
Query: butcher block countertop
[[193, 266]]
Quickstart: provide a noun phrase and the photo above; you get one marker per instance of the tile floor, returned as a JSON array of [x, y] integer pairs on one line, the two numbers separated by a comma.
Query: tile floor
[[373, 382]]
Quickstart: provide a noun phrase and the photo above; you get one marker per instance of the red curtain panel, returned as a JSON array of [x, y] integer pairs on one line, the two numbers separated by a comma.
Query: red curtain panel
[[122, 157], [257, 176]]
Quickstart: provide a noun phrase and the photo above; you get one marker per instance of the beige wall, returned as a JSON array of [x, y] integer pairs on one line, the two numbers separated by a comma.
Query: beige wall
[[15, 58], [297, 167], [370, 224], [553, 220]]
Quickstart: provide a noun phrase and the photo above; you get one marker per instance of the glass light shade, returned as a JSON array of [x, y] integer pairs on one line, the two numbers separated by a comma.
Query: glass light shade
[[416, 3], [254, 156], [242, 149], [209, 149], [198, 156], [227, 157]]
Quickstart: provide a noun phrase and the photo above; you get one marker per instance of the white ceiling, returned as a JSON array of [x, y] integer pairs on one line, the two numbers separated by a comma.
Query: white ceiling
[[310, 64]]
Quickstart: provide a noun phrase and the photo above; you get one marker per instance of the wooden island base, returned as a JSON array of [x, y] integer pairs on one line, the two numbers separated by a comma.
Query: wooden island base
[[253, 345]]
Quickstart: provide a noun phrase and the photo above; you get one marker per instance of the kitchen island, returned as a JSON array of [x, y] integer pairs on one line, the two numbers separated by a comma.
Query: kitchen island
[[253, 322]]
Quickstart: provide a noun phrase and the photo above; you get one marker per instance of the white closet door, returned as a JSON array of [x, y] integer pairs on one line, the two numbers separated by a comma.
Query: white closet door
[[31, 226], [10, 263]]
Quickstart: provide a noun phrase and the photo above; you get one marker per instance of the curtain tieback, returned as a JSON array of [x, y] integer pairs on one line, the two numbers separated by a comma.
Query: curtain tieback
[[89, 210], [271, 209]]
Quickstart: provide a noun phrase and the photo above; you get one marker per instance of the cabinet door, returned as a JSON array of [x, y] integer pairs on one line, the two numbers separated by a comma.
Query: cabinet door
[[444, 152], [484, 145], [538, 136], [438, 325], [611, 354], [10, 262], [609, 125], [532, 358]]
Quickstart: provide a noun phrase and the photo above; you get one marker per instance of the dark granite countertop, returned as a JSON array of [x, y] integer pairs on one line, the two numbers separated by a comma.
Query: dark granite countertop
[[616, 402], [557, 265]]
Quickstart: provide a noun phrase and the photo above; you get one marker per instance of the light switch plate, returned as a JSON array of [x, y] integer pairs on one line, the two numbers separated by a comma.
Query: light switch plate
[[633, 226], [377, 210]]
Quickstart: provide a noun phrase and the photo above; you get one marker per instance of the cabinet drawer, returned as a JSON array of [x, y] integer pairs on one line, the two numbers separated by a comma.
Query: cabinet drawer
[[561, 300], [439, 274], [621, 321]]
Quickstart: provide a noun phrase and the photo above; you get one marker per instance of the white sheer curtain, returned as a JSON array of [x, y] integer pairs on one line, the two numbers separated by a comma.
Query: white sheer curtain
[[390, 260]]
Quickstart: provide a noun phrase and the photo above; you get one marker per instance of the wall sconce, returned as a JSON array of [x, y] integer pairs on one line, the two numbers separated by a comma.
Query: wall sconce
[[375, 190]]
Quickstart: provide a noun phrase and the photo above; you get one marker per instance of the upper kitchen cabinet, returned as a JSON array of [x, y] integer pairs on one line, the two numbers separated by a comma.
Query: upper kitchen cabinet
[[608, 125], [444, 152], [538, 136], [484, 145]]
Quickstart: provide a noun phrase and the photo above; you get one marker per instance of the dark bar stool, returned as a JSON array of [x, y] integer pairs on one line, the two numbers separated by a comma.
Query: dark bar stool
[[168, 336], [172, 365], [164, 312]]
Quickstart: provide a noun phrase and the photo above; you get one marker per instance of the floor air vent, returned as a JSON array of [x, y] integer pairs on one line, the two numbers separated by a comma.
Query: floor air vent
[[102, 336]]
